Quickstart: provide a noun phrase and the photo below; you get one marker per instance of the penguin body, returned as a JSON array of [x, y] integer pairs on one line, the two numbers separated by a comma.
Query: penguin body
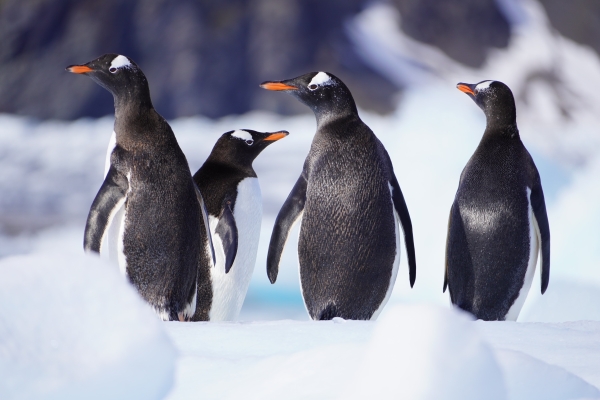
[[498, 220], [147, 206], [234, 204], [349, 203]]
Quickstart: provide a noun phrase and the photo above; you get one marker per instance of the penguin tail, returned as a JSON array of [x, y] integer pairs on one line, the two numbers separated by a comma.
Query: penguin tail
[[328, 313]]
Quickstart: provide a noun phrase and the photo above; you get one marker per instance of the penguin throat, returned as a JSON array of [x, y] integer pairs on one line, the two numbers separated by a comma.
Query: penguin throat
[[337, 110], [131, 101]]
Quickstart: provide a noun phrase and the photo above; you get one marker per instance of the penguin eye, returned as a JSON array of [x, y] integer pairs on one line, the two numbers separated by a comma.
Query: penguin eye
[[312, 86], [249, 142], [112, 70]]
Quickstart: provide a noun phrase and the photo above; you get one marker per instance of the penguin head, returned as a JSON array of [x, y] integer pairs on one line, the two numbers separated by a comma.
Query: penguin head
[[116, 73], [323, 92], [495, 99], [242, 146]]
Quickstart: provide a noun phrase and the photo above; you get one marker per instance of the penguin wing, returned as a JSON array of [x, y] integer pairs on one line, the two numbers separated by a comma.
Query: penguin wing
[[541, 218], [290, 213], [227, 231], [447, 244], [111, 195], [205, 223], [402, 210]]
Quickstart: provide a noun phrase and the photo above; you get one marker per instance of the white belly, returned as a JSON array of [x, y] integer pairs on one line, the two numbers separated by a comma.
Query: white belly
[[534, 244], [111, 247], [396, 262], [229, 290]]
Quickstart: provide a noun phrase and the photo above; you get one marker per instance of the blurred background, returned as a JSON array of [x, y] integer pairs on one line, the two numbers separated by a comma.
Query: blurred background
[[401, 59]]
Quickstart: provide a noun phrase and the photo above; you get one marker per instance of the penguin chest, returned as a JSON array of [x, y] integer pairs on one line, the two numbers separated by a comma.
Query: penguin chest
[[112, 241], [534, 244], [229, 289]]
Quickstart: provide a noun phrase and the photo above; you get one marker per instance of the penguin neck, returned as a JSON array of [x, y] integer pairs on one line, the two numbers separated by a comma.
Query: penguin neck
[[337, 111], [505, 131], [132, 102], [136, 119], [242, 165]]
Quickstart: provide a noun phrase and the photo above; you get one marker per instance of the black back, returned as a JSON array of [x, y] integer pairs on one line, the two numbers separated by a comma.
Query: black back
[[488, 239], [347, 241], [162, 232]]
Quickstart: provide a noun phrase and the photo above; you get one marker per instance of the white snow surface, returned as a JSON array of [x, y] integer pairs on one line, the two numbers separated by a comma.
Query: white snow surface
[[71, 327], [412, 352]]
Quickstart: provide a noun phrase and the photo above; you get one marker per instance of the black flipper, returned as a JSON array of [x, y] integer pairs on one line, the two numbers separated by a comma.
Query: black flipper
[[539, 211], [227, 231], [402, 210], [447, 244], [205, 222], [112, 191], [289, 213]]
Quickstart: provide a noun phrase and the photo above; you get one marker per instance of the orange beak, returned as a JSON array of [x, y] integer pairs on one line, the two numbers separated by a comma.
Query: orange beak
[[465, 89], [276, 136], [277, 86], [79, 69]]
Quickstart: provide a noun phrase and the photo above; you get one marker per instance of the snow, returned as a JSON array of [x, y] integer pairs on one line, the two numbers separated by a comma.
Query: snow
[[416, 352], [72, 327], [529, 378], [50, 172], [424, 352]]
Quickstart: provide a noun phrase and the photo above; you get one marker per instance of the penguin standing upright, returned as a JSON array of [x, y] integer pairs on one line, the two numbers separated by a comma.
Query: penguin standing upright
[[233, 200], [149, 180], [498, 219], [350, 205]]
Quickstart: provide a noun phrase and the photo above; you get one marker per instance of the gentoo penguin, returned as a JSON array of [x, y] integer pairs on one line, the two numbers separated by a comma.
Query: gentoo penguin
[[350, 205], [159, 237], [233, 200], [498, 219]]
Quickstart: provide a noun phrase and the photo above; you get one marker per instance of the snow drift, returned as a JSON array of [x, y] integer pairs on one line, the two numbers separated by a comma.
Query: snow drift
[[71, 327]]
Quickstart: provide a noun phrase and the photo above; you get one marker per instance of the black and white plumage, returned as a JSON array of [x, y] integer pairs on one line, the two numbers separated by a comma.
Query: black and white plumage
[[350, 206], [231, 190], [149, 188], [498, 220]]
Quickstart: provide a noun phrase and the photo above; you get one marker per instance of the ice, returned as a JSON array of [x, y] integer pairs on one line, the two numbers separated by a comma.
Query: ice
[[71, 327], [528, 378], [427, 353], [412, 352]]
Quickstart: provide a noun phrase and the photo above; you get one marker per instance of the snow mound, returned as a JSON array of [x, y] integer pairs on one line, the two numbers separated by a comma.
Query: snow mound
[[426, 352], [71, 328], [528, 378]]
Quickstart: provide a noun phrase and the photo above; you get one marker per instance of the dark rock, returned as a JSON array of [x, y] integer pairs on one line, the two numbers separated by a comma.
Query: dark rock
[[201, 57], [579, 20], [463, 29]]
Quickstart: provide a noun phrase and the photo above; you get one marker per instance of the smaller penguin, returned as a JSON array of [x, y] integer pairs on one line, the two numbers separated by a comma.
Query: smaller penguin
[[149, 187], [232, 194], [498, 219]]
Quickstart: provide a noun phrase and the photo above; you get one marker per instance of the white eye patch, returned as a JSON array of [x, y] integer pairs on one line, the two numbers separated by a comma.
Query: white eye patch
[[320, 79], [483, 86], [119, 62], [241, 135]]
